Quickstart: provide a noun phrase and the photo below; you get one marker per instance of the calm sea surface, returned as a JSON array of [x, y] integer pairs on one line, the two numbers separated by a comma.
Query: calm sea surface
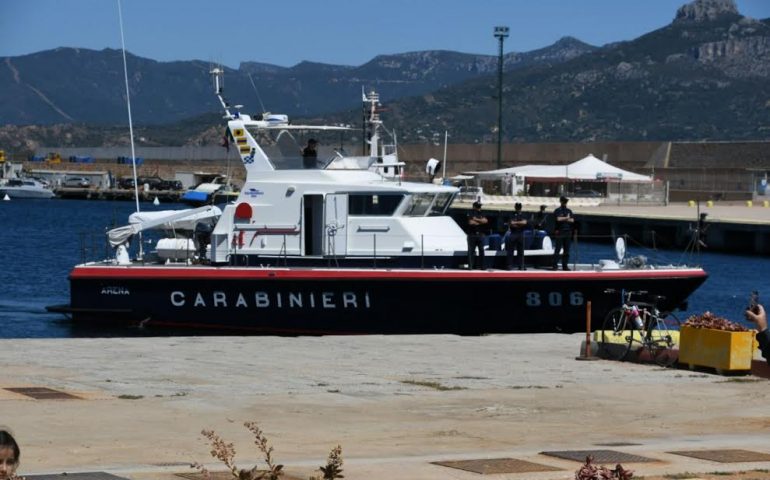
[[40, 241]]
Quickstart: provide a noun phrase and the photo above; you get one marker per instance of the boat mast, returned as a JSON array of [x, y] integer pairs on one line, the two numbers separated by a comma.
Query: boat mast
[[128, 103], [373, 100], [218, 74], [130, 122]]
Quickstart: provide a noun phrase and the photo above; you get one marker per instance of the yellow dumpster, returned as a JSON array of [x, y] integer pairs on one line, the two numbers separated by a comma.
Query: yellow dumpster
[[721, 350]]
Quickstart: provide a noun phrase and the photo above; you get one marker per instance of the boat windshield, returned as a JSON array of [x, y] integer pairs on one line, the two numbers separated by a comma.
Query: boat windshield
[[285, 148], [430, 204], [441, 204]]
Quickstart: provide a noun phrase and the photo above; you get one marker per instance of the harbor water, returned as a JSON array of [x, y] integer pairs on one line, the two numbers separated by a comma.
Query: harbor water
[[42, 239]]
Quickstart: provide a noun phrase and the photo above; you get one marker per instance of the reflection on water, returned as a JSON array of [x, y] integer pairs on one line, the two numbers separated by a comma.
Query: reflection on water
[[40, 244]]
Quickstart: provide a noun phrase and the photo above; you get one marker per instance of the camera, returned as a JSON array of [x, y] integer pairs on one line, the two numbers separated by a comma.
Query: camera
[[753, 302]]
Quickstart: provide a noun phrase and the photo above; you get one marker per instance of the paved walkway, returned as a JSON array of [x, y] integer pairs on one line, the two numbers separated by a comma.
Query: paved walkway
[[394, 403]]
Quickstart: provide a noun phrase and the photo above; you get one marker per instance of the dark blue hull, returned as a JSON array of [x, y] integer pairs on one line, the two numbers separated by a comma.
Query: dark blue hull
[[303, 301]]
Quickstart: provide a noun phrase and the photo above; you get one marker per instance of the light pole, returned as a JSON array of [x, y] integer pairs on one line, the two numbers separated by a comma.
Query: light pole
[[501, 33]]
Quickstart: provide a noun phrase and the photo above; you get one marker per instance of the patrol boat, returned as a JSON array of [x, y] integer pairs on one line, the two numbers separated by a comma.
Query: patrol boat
[[338, 245]]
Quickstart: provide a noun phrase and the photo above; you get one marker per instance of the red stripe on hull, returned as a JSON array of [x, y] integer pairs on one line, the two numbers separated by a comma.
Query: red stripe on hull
[[232, 273]]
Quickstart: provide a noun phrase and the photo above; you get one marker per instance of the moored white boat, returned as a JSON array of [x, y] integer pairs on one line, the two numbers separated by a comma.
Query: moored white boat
[[25, 188], [340, 245]]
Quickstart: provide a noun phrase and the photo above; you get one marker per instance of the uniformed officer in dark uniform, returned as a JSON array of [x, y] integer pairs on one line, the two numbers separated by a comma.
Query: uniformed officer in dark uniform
[[565, 223], [310, 154], [477, 226], [515, 240], [539, 218]]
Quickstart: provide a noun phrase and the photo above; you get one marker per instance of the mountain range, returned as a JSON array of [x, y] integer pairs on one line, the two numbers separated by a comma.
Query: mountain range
[[703, 76], [86, 86]]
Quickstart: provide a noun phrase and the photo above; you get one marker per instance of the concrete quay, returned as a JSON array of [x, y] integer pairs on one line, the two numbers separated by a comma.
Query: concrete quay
[[394, 403], [729, 228], [732, 227]]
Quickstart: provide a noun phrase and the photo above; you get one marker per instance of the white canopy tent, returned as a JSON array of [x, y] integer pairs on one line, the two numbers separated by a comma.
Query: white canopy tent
[[589, 168]]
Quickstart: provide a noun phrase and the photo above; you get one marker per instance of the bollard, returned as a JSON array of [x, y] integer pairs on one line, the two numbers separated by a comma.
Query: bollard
[[749, 203], [691, 203], [710, 203], [587, 354], [766, 203]]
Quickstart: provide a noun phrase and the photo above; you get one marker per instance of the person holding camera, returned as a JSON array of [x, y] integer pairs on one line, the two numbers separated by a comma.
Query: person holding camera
[[758, 317]]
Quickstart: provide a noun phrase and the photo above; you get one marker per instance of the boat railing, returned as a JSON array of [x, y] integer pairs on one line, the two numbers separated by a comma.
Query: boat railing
[[94, 246], [372, 248]]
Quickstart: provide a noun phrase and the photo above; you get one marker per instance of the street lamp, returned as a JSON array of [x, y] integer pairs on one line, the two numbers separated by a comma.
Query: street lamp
[[501, 33]]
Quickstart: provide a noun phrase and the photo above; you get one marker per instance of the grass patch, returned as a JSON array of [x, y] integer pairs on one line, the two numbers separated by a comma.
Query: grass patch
[[522, 387], [681, 476], [130, 397], [434, 385], [741, 380]]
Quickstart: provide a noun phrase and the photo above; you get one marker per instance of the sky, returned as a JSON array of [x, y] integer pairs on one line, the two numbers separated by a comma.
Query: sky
[[344, 32]]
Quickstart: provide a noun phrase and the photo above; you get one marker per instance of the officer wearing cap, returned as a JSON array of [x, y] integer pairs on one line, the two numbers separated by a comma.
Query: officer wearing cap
[[477, 226], [310, 154], [539, 218], [515, 239], [565, 223]]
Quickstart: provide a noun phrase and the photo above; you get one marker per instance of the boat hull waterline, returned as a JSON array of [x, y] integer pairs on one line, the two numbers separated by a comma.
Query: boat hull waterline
[[20, 193], [300, 301]]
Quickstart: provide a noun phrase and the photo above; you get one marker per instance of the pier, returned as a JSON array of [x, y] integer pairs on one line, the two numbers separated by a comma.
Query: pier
[[164, 196], [730, 227]]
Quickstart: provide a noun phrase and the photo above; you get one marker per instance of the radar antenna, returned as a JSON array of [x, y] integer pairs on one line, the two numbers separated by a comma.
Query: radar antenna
[[218, 73]]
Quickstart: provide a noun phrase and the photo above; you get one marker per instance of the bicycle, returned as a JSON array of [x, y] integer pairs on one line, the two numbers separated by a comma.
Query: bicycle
[[639, 326]]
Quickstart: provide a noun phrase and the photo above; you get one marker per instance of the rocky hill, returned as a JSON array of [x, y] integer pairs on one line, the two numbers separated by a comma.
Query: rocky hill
[[703, 76]]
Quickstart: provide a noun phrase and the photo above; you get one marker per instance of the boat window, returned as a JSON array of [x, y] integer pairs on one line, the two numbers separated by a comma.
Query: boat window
[[419, 203], [284, 147], [373, 204], [441, 204]]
